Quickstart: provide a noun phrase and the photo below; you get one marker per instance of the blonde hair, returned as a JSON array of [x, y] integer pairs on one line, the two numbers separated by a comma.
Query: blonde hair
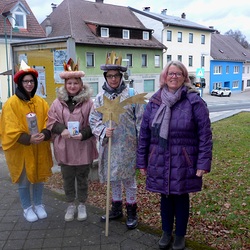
[[178, 64]]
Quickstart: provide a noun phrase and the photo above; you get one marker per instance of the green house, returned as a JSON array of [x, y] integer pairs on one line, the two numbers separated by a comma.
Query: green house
[[86, 31]]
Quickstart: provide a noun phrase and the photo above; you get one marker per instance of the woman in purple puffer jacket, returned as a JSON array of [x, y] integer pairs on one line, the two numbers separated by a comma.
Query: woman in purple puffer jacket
[[175, 149]]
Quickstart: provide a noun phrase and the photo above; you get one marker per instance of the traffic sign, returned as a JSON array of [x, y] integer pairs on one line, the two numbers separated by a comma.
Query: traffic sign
[[200, 72]]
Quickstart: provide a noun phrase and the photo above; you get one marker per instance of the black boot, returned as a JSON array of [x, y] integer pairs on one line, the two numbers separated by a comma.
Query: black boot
[[179, 243], [116, 211], [165, 240], [132, 220]]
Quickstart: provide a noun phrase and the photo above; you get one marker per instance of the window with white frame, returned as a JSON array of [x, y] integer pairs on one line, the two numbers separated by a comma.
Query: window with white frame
[[130, 60], [190, 61], [144, 59], [202, 61], [179, 58], [157, 61], [248, 83], [149, 86], [217, 70], [169, 58], [125, 34], [236, 69], [19, 18], [235, 84], [202, 39], [179, 37], [191, 37], [169, 35], [104, 32], [90, 59], [145, 35], [217, 85], [227, 69]]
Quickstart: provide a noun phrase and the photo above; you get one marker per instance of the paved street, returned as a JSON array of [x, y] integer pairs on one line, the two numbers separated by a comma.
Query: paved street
[[240, 96], [234, 98]]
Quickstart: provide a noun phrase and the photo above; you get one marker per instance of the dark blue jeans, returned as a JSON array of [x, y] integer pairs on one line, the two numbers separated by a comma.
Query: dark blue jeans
[[175, 207]]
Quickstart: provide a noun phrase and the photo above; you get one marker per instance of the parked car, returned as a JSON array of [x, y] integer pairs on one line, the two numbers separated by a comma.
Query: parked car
[[221, 92]]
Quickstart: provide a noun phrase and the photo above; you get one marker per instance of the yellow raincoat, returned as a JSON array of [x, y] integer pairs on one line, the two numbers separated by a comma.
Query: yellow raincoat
[[36, 158]]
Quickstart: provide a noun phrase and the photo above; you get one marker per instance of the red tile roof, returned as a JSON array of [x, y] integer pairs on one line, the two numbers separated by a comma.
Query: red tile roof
[[34, 29], [79, 18]]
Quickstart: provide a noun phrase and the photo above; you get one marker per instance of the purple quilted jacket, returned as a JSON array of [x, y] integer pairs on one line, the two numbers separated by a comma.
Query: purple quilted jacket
[[172, 169]]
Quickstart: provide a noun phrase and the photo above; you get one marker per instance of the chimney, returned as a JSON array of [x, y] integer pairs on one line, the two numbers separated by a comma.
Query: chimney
[[53, 6], [48, 27], [164, 11], [146, 9], [183, 15], [99, 1]]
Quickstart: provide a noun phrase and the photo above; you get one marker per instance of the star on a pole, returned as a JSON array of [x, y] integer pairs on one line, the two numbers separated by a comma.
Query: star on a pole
[[136, 99], [111, 109]]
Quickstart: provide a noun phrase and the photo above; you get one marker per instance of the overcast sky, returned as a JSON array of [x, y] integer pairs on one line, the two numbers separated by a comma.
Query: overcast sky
[[223, 15]]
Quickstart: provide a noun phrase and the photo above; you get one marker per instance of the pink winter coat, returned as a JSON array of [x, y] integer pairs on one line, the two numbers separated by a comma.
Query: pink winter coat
[[69, 151]]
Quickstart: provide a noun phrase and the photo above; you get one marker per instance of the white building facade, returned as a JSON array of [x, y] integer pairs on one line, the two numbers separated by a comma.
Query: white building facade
[[186, 41]]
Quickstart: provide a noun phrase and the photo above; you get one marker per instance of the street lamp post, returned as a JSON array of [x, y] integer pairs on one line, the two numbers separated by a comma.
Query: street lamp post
[[6, 47]]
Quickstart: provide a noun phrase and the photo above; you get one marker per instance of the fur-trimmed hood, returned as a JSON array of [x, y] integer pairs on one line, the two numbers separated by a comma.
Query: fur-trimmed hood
[[83, 96]]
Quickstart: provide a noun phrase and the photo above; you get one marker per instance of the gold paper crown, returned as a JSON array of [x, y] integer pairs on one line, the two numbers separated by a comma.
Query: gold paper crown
[[113, 63], [70, 65], [71, 70], [113, 59]]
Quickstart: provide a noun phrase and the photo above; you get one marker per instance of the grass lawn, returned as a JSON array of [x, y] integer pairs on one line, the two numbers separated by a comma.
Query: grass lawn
[[221, 212]]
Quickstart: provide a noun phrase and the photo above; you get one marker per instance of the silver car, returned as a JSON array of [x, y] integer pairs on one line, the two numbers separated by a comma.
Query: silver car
[[221, 92]]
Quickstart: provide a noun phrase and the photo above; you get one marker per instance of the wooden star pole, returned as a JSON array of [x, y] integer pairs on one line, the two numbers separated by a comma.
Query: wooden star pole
[[108, 181], [111, 110]]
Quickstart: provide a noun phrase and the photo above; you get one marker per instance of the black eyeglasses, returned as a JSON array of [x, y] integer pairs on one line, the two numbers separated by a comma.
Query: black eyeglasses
[[28, 81], [113, 76]]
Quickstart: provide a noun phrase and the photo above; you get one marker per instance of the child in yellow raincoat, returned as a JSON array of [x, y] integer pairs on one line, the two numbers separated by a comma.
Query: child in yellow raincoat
[[28, 155]]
